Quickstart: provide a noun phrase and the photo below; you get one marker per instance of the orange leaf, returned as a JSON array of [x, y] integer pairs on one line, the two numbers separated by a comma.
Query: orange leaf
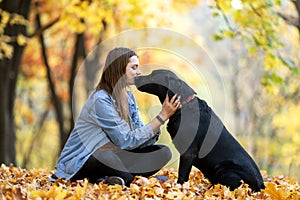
[[274, 192]]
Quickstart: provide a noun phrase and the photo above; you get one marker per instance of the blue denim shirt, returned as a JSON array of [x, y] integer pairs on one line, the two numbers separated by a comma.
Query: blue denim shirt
[[99, 123]]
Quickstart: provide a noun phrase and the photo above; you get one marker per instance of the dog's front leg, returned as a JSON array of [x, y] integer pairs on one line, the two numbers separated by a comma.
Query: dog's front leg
[[185, 166]]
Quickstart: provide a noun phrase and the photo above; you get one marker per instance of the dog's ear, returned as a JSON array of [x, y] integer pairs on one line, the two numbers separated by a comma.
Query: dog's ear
[[172, 86]]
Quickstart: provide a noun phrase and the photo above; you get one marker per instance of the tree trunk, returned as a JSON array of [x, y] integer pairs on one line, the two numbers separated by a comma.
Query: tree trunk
[[9, 69], [79, 52], [5, 131], [92, 64], [58, 107]]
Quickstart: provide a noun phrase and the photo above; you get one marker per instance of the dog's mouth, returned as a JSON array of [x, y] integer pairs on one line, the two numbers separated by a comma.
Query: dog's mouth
[[149, 79]]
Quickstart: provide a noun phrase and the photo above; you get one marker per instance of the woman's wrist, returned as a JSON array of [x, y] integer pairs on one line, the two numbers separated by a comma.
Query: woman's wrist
[[160, 119], [163, 116]]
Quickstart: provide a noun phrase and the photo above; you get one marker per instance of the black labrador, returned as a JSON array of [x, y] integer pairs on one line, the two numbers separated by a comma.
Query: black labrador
[[200, 137]]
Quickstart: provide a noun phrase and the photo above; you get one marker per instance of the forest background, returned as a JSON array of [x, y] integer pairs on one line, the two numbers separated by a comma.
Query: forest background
[[250, 48]]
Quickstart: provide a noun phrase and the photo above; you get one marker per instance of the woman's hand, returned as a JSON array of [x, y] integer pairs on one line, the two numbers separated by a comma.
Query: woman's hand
[[169, 107]]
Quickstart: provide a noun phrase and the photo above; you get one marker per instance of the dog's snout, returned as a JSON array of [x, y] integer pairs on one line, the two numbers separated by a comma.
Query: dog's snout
[[137, 81]]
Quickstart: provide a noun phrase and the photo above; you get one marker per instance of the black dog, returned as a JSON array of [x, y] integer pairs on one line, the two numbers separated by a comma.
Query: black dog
[[200, 137]]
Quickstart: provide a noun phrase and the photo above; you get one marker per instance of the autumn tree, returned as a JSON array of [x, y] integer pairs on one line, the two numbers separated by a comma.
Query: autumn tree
[[12, 29], [257, 23], [259, 109]]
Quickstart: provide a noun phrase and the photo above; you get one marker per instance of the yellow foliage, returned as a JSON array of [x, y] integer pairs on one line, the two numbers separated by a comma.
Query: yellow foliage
[[289, 120], [21, 40], [272, 89], [224, 5], [80, 190], [6, 50], [55, 192], [183, 5], [259, 25], [17, 19], [281, 190], [17, 183], [288, 124], [272, 62], [274, 192], [26, 112], [7, 18], [4, 20]]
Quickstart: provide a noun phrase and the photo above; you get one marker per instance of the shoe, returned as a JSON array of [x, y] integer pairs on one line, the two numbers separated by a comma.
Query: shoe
[[53, 178], [112, 180]]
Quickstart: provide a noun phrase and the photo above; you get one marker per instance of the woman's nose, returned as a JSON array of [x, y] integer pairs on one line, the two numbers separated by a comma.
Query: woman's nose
[[138, 72]]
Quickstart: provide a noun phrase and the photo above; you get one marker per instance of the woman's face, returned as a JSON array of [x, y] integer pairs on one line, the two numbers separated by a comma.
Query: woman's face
[[132, 69]]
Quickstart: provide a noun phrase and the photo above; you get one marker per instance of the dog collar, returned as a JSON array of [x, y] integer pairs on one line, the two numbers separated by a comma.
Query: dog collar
[[190, 98]]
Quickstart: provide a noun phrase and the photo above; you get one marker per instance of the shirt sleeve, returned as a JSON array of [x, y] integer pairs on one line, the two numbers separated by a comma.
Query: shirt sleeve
[[117, 129]]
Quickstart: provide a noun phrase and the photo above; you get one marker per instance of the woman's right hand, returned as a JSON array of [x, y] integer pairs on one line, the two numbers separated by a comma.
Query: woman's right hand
[[169, 107]]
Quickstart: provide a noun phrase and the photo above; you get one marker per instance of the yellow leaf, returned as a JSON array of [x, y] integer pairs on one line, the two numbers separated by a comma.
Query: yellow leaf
[[158, 191], [80, 191], [174, 194], [6, 49], [274, 192], [5, 17], [60, 193], [17, 19], [21, 40], [224, 5], [134, 188]]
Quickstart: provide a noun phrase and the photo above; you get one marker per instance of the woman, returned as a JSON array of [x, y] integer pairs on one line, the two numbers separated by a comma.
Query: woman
[[109, 141]]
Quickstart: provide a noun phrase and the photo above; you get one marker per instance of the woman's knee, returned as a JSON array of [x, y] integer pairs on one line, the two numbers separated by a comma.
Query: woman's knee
[[166, 152], [109, 159]]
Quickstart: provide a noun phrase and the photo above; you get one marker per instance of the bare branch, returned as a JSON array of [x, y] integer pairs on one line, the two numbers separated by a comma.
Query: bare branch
[[42, 29]]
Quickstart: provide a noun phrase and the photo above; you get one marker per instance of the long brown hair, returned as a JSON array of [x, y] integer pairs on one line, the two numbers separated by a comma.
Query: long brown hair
[[113, 79]]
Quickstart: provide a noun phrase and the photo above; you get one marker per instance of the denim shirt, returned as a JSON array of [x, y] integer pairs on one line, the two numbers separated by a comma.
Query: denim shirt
[[99, 123]]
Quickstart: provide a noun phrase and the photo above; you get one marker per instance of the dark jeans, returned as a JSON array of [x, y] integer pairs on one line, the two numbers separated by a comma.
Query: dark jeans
[[125, 164]]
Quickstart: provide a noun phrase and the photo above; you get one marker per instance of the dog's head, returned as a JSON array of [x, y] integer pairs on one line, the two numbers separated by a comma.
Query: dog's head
[[159, 82]]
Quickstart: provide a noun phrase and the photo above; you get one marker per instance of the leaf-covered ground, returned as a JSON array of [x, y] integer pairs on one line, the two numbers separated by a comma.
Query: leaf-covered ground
[[17, 183]]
